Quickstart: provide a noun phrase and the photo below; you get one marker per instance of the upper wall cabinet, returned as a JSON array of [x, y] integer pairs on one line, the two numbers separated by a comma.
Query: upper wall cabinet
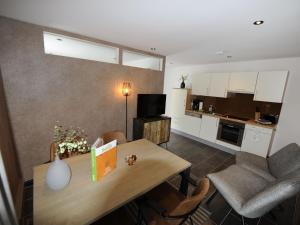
[[243, 82], [219, 84], [270, 86], [200, 84]]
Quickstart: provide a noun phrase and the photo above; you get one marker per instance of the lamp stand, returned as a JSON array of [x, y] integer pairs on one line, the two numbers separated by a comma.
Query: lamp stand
[[126, 118]]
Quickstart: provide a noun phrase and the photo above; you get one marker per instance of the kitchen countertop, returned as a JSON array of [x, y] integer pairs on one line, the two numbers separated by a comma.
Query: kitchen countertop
[[250, 122]]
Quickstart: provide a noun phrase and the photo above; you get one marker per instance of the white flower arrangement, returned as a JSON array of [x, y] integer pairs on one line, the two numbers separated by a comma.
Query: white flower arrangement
[[183, 78], [70, 140]]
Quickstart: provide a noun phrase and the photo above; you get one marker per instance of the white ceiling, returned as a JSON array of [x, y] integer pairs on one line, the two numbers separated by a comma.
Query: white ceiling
[[187, 31]]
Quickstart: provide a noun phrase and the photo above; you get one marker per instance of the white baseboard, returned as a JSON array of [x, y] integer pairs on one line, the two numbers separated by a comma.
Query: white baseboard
[[214, 145]]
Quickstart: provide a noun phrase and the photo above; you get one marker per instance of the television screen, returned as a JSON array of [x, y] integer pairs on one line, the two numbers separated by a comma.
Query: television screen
[[151, 105]]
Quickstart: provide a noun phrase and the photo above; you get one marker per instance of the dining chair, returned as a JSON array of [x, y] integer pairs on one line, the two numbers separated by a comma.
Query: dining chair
[[114, 135], [165, 205]]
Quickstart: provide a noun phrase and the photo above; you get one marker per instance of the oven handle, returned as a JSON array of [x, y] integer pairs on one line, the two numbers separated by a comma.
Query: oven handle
[[227, 125]]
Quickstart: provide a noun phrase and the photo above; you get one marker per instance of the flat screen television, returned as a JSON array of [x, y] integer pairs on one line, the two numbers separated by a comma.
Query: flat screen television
[[151, 105]]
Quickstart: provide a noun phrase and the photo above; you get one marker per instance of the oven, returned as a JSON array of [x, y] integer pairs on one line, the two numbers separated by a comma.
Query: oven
[[231, 132]]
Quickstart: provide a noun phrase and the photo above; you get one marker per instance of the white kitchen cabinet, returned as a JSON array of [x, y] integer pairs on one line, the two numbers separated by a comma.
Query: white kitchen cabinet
[[243, 82], [191, 125], [178, 105], [257, 140], [209, 128], [200, 84], [219, 84], [178, 102], [270, 86]]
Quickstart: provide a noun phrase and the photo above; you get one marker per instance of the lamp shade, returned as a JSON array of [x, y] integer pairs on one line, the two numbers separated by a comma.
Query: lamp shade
[[126, 89]]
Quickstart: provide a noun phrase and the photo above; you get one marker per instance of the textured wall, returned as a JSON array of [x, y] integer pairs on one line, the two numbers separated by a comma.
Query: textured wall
[[42, 89]]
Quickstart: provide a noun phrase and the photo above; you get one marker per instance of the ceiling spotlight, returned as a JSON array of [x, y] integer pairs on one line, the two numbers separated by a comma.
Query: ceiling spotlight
[[229, 56], [59, 39], [258, 22], [153, 49]]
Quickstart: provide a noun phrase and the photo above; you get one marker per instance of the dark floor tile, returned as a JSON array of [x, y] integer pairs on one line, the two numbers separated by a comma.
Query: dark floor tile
[[202, 169]]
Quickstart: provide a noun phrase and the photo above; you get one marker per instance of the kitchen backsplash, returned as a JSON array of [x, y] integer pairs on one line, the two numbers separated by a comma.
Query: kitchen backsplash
[[236, 104]]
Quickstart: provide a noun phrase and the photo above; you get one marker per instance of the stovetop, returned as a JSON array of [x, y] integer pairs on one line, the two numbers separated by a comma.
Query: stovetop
[[237, 117]]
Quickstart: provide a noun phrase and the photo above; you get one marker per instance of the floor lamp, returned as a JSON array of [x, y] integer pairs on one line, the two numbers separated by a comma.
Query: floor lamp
[[126, 91]]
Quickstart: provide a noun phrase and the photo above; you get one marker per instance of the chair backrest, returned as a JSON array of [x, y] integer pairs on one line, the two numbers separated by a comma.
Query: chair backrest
[[114, 135], [285, 160], [190, 203]]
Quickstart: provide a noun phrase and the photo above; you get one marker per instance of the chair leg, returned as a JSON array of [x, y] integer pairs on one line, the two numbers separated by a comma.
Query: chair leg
[[258, 221], [223, 220], [192, 223], [211, 197], [243, 220]]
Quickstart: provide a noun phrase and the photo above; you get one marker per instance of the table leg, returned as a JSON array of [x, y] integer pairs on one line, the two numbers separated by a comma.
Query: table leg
[[184, 185]]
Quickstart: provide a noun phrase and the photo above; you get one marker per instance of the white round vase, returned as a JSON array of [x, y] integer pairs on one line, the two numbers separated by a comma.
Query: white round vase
[[58, 175]]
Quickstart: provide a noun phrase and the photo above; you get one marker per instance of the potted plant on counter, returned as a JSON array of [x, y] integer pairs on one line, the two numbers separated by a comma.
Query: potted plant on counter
[[182, 79]]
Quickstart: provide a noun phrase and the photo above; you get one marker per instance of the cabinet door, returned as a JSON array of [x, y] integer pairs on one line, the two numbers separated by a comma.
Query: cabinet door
[[256, 140], [164, 130], [243, 82], [219, 85], [200, 84], [270, 86], [209, 128], [178, 102], [191, 125], [152, 131]]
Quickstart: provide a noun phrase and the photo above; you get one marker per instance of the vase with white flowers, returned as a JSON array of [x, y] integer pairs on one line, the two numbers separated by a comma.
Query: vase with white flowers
[[183, 78], [67, 142]]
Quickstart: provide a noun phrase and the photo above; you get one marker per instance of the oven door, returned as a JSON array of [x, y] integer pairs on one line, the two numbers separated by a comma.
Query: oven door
[[231, 132]]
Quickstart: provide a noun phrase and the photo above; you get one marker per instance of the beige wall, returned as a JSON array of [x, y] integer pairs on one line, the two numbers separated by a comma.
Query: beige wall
[[42, 89]]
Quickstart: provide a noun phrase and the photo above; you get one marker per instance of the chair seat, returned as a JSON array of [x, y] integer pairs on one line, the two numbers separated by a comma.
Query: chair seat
[[167, 197], [237, 185]]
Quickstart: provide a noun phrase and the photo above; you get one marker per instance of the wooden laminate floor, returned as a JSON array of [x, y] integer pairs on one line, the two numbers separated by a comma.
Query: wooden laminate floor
[[204, 159]]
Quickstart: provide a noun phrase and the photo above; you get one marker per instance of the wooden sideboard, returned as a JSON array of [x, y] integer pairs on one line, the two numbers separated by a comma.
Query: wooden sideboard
[[156, 130]]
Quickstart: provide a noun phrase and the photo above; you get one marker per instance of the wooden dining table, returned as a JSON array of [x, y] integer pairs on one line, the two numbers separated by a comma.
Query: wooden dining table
[[84, 201]]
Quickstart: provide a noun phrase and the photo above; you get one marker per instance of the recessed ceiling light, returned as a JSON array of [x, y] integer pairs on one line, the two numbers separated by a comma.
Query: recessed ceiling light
[[220, 52], [258, 22]]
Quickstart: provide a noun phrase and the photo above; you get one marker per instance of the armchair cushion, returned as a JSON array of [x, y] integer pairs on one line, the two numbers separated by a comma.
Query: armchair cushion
[[251, 159], [260, 172], [255, 164], [237, 185], [285, 160]]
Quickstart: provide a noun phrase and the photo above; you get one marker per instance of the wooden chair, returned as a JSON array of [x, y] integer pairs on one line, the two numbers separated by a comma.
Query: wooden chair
[[164, 205], [114, 135]]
